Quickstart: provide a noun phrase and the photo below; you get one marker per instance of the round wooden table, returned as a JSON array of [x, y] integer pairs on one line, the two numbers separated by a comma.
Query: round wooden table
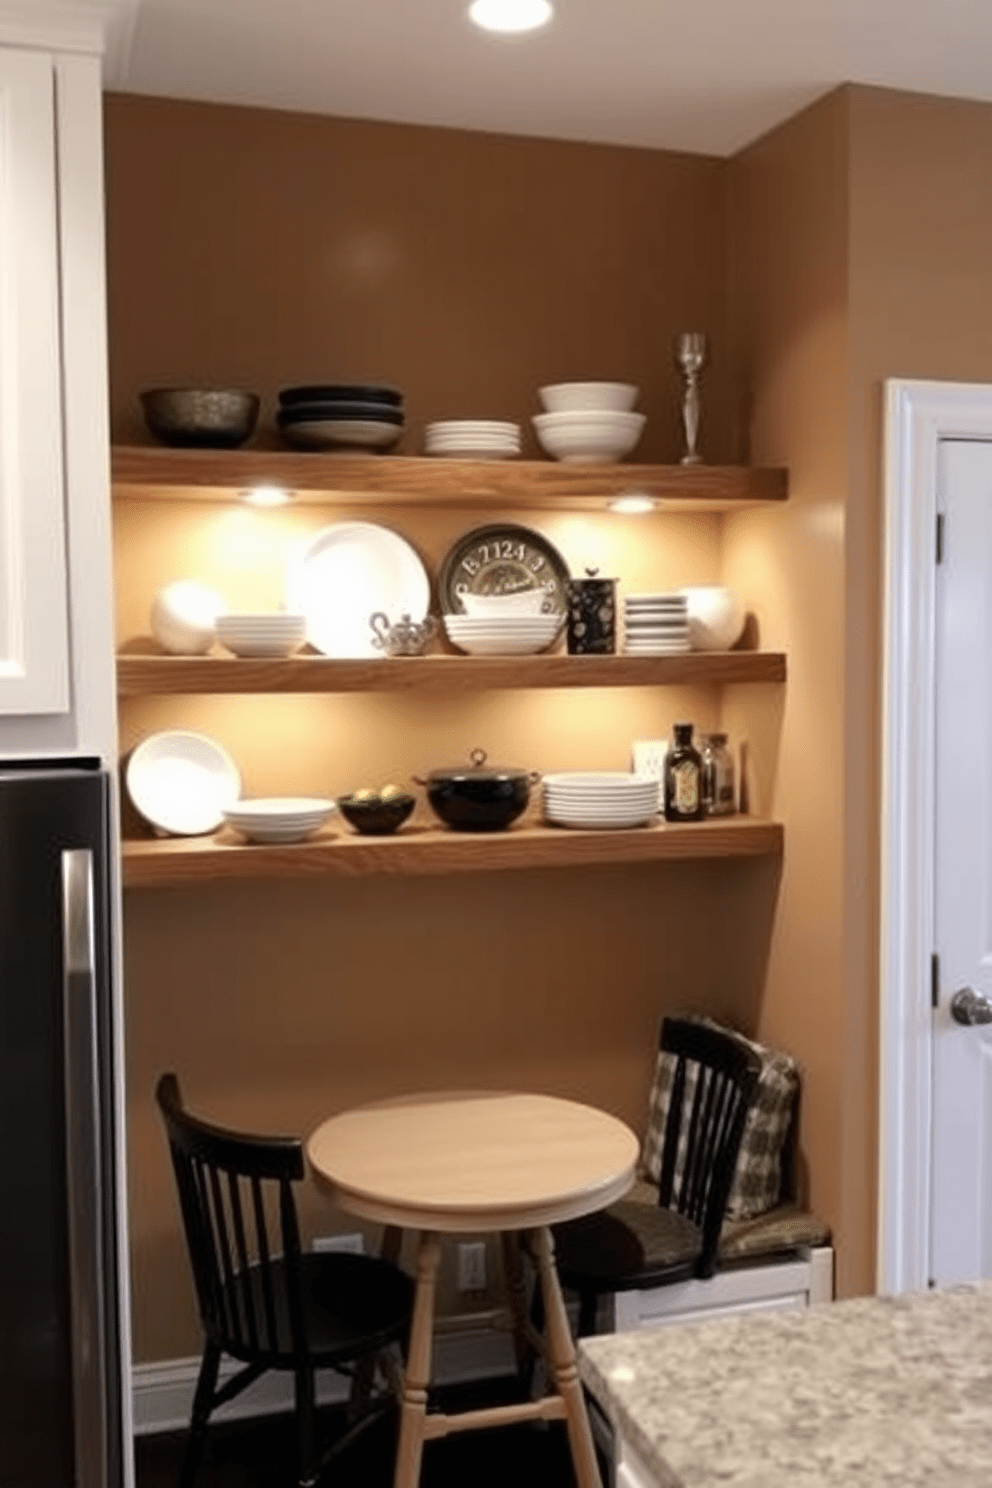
[[467, 1162]]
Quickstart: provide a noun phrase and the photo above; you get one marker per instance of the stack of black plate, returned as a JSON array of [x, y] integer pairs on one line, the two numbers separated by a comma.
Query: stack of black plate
[[341, 416]]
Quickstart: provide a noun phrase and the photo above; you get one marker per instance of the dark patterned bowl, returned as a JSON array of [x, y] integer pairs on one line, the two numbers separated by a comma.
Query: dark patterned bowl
[[376, 818], [201, 418]]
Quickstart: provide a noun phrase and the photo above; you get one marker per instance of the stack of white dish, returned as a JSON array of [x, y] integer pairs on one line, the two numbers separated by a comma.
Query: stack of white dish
[[589, 423], [473, 439], [261, 635], [600, 798], [502, 635], [278, 818], [655, 624]]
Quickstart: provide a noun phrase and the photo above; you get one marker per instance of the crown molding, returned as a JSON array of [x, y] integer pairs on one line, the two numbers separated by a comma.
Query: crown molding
[[91, 26]]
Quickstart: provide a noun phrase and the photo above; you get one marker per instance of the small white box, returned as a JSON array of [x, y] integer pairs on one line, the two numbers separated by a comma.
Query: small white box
[[648, 757]]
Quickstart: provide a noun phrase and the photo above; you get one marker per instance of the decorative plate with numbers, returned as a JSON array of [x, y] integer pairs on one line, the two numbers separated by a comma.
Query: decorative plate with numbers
[[503, 559]]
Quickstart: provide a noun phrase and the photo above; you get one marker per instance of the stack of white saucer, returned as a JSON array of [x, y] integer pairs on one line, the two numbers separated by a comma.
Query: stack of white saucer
[[473, 439], [600, 798], [655, 624]]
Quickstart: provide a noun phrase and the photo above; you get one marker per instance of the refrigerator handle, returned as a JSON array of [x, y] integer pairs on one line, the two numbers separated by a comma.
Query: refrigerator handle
[[83, 1168]]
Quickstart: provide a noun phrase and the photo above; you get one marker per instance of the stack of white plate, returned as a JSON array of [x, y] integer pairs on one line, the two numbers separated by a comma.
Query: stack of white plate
[[278, 818], [473, 439], [600, 798], [502, 635], [261, 635], [655, 624]]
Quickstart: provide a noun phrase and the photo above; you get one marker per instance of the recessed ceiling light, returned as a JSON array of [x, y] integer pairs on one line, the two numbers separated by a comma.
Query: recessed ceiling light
[[510, 15], [266, 496], [633, 504]]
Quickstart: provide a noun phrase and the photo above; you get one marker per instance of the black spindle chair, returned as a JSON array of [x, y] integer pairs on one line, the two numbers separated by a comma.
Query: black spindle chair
[[634, 1246], [262, 1299]]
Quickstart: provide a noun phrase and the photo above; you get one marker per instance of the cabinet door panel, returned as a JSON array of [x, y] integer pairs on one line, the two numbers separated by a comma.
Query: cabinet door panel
[[33, 598]]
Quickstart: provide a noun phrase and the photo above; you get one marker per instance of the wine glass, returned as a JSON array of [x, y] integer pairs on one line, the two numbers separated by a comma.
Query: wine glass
[[691, 354]]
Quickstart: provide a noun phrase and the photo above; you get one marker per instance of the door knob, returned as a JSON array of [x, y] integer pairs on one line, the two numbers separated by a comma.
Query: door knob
[[970, 1007]]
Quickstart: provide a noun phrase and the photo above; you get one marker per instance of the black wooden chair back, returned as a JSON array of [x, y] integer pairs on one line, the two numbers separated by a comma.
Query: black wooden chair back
[[239, 1215], [712, 1088]]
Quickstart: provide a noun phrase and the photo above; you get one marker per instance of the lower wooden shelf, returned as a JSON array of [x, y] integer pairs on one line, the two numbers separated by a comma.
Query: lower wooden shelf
[[418, 849]]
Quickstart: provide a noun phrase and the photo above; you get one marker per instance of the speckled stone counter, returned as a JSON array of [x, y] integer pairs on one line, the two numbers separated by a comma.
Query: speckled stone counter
[[881, 1392]]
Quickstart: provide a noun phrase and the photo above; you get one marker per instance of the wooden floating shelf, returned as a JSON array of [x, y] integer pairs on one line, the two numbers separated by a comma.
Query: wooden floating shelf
[[142, 675], [151, 472], [417, 849]]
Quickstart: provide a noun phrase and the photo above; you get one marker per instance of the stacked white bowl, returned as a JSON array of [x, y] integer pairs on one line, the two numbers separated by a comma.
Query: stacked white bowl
[[600, 798], [473, 439], [502, 635], [276, 634], [655, 624], [589, 423], [278, 818]]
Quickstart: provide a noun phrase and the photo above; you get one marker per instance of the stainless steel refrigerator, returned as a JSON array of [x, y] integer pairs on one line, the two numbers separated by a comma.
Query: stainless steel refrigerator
[[60, 1365]]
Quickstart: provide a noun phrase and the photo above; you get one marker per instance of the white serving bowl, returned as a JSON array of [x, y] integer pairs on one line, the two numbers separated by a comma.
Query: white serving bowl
[[261, 635], [521, 602], [279, 818], [564, 397], [588, 438], [716, 617], [184, 615], [182, 782]]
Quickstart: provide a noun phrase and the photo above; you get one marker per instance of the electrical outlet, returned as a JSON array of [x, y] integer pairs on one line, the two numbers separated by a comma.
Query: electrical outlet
[[355, 1242], [472, 1266]]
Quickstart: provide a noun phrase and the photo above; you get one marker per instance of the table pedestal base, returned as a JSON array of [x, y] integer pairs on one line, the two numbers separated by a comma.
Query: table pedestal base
[[416, 1426]]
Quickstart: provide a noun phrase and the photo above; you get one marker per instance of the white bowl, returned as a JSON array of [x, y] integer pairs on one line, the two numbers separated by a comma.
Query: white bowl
[[588, 438], [502, 645], [716, 617], [182, 782], [521, 602], [184, 615], [562, 397]]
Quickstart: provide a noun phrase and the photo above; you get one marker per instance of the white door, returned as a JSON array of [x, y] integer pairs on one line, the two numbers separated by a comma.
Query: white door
[[34, 673], [961, 1188]]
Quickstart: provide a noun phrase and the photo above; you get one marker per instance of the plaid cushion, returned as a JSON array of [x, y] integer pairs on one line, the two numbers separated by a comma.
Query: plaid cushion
[[757, 1182]]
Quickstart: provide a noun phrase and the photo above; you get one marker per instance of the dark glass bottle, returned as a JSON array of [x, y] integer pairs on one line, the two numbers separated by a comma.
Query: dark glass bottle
[[683, 777]]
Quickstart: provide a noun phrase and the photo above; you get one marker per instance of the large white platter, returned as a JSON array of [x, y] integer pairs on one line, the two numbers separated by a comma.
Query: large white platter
[[347, 572], [182, 782]]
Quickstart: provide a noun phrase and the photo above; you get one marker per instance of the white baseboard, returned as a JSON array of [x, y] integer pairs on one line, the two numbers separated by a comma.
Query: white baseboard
[[162, 1393]]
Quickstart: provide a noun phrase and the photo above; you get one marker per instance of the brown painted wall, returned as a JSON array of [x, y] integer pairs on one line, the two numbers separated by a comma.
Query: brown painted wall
[[262, 248], [790, 325]]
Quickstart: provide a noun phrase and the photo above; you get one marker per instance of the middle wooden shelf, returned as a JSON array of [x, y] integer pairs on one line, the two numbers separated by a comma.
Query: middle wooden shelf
[[141, 675]]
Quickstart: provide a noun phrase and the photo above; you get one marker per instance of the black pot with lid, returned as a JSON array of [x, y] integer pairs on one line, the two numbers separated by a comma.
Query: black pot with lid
[[478, 797]]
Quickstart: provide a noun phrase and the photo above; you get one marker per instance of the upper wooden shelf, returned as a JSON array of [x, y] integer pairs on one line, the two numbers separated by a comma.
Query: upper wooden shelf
[[141, 675], [419, 849], [152, 472]]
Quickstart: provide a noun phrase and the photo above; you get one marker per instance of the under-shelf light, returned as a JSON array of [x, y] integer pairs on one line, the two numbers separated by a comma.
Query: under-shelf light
[[267, 496], [633, 504], [510, 16]]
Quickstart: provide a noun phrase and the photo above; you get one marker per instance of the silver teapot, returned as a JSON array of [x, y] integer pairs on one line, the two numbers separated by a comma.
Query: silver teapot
[[406, 638]]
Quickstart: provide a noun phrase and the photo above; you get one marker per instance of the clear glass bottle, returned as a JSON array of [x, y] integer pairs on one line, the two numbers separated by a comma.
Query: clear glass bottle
[[683, 777], [719, 793]]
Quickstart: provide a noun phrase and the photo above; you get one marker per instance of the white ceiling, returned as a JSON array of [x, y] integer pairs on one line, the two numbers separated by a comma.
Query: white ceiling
[[699, 75]]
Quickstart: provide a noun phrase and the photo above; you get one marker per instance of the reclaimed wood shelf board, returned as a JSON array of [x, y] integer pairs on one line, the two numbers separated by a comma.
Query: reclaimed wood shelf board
[[421, 849], [142, 675], [156, 473]]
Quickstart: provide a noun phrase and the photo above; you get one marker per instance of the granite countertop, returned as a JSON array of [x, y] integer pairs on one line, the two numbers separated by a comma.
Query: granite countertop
[[871, 1393]]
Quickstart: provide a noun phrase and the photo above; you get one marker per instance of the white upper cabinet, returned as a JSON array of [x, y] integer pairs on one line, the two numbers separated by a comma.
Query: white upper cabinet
[[34, 631]]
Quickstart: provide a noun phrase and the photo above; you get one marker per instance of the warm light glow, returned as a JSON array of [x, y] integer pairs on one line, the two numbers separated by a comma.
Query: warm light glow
[[510, 15], [633, 505], [266, 496]]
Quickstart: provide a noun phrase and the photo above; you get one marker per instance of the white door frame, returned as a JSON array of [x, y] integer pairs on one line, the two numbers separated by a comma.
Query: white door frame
[[918, 415]]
